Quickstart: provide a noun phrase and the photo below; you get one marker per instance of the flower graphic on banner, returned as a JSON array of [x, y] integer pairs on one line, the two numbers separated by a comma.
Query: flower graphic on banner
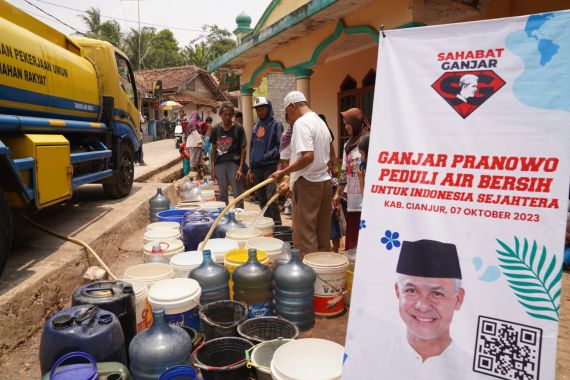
[[362, 224], [390, 239], [535, 277]]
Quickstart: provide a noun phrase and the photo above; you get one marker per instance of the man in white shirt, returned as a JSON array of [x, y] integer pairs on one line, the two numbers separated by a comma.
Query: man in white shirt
[[310, 180], [429, 293]]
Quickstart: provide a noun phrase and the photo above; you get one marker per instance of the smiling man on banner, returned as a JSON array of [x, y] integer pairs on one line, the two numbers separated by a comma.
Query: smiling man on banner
[[429, 293]]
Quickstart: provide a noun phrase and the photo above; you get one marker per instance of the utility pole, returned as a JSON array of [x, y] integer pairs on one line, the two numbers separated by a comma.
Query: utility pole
[[139, 32]]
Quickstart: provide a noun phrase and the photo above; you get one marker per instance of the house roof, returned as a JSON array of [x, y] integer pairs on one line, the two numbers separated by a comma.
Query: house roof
[[175, 77], [184, 99]]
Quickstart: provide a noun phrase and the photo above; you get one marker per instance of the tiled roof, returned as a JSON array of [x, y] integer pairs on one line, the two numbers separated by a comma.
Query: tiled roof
[[171, 77], [183, 99]]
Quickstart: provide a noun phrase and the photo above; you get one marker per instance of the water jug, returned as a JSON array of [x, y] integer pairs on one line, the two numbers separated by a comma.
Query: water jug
[[158, 203], [294, 292], [253, 284], [181, 372], [84, 371], [227, 223], [213, 279], [160, 347], [194, 231], [118, 297], [283, 258], [84, 328]]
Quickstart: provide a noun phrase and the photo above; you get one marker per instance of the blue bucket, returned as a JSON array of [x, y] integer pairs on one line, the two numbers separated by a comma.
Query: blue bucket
[[176, 215], [180, 372]]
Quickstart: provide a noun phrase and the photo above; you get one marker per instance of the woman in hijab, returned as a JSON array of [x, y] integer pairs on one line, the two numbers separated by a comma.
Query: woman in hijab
[[194, 143], [356, 126]]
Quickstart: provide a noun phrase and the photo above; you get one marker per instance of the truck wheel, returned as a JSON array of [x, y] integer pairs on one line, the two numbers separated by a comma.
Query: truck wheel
[[124, 174], [5, 230]]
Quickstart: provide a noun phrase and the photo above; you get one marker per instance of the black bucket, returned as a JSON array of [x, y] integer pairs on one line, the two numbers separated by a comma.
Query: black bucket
[[223, 359], [261, 329], [284, 233], [221, 318]]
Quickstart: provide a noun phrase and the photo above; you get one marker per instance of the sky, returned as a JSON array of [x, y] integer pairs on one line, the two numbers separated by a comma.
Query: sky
[[184, 17]]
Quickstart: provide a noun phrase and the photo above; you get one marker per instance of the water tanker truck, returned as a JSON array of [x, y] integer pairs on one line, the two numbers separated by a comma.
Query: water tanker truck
[[68, 117]]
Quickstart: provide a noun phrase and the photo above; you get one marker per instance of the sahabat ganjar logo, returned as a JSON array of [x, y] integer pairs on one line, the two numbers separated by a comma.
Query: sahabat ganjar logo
[[465, 91]]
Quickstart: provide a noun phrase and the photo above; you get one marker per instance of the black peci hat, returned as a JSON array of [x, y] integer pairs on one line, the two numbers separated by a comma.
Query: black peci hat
[[429, 258]]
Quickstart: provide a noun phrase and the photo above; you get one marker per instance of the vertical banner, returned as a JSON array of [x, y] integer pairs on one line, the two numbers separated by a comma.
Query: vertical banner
[[459, 262]]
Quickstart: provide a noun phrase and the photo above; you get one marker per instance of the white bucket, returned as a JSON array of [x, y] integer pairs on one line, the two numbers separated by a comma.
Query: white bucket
[[150, 273], [184, 263], [188, 205], [262, 355], [246, 216], [169, 248], [219, 248], [331, 281], [161, 235], [242, 235], [213, 204], [308, 359], [179, 297], [264, 224], [273, 247], [143, 310], [208, 196], [163, 226]]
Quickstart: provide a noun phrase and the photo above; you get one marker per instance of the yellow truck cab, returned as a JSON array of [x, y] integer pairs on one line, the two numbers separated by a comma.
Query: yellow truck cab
[[68, 117]]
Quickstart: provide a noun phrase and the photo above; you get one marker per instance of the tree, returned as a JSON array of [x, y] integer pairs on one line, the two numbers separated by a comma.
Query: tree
[[107, 31], [164, 51], [197, 55], [219, 41], [131, 46]]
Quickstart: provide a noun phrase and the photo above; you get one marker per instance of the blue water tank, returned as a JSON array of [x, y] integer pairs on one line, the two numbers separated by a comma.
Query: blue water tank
[[84, 328]]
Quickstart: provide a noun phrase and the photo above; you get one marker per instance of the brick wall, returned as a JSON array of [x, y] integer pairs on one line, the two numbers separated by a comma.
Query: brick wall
[[279, 85]]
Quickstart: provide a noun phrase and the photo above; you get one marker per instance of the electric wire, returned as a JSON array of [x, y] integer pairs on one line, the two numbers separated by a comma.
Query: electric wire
[[55, 18]]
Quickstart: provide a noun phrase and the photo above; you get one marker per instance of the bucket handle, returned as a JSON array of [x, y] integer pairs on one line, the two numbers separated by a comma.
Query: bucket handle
[[75, 354], [249, 363], [336, 294], [160, 244]]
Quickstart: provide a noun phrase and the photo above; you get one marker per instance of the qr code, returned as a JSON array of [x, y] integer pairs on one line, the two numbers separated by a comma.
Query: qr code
[[507, 350]]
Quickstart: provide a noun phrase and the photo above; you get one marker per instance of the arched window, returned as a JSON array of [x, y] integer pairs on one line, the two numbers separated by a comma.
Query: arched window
[[351, 96]]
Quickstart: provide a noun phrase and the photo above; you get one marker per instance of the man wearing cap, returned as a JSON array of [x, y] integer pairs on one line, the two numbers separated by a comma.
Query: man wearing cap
[[264, 154], [429, 293], [310, 179]]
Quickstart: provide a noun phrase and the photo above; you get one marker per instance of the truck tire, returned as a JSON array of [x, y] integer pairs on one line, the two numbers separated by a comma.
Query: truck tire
[[124, 174], [5, 230]]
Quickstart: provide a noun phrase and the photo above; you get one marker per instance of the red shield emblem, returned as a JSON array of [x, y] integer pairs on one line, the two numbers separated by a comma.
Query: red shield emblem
[[465, 91]]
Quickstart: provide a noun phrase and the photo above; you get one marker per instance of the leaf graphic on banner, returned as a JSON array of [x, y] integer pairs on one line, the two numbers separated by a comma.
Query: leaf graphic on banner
[[535, 278]]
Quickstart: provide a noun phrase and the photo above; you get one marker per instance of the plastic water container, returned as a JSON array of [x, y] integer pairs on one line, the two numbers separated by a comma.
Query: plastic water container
[[184, 263], [294, 291], [208, 196], [237, 257], [273, 247], [308, 359], [166, 249], [213, 204], [331, 281], [84, 328], [242, 235], [158, 203], [161, 235], [163, 226], [213, 280], [219, 248], [195, 230], [150, 273], [180, 299], [264, 224], [246, 217], [86, 371], [262, 355], [160, 347], [253, 284], [180, 372], [223, 358], [227, 223], [142, 307], [351, 256], [117, 297]]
